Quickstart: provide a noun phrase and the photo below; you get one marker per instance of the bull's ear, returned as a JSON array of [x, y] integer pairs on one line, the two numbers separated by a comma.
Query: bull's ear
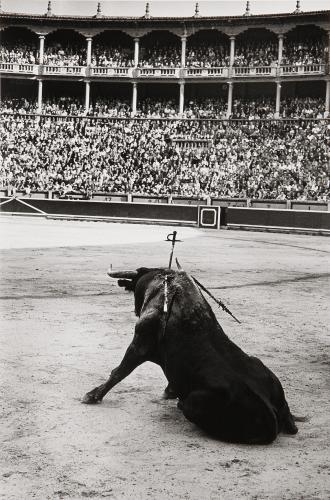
[[178, 265], [143, 270]]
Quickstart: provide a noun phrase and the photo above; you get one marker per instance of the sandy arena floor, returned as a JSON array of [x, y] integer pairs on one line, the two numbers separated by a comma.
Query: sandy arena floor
[[65, 325]]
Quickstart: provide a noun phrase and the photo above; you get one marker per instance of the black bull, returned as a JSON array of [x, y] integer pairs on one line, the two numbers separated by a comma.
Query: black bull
[[231, 395]]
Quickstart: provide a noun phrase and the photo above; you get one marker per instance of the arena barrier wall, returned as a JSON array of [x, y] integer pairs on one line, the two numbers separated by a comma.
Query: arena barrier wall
[[259, 218], [206, 216], [172, 199], [98, 210]]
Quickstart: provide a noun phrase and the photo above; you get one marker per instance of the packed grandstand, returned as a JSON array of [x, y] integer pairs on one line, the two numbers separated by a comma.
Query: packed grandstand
[[205, 113]]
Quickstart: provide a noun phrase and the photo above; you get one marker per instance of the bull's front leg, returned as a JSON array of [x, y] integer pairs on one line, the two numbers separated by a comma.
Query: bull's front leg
[[131, 360], [140, 350]]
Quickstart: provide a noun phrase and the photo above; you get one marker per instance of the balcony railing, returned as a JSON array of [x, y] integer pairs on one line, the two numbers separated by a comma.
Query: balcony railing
[[206, 72], [30, 69], [49, 69], [254, 71], [102, 71], [302, 69], [164, 72]]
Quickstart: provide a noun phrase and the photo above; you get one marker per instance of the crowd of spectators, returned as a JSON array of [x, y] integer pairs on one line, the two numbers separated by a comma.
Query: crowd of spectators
[[262, 159], [256, 53], [253, 109], [160, 55], [63, 106], [64, 54], [306, 51], [112, 108], [253, 53], [157, 108], [19, 52], [206, 55], [194, 108], [19, 105], [114, 56], [308, 107], [205, 108]]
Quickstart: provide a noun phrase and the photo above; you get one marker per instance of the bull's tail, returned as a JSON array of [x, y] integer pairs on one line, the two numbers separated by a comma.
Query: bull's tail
[[300, 419]]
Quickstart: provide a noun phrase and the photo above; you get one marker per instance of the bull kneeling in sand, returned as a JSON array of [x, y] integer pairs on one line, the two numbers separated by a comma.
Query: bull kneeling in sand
[[229, 394]]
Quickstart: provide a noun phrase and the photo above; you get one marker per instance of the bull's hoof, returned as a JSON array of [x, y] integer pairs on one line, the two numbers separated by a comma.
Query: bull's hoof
[[91, 398]]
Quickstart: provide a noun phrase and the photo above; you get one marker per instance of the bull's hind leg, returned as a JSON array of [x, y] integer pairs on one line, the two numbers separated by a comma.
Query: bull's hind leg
[[132, 359]]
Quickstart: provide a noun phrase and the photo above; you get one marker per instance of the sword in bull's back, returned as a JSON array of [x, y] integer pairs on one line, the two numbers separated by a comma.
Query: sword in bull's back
[[173, 240]]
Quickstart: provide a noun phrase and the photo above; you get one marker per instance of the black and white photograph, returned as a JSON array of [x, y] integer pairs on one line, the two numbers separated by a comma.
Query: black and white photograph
[[164, 250]]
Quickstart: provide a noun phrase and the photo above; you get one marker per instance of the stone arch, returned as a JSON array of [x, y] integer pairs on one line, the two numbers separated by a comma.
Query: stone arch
[[305, 44], [160, 31], [209, 34], [149, 31], [208, 47], [112, 45], [66, 40], [257, 30], [21, 45], [214, 29], [12, 30], [160, 47], [312, 28], [256, 46], [52, 32], [104, 33]]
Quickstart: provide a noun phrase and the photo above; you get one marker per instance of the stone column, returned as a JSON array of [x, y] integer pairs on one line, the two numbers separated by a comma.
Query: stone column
[[327, 99], [87, 95], [136, 51], [278, 99], [40, 82], [232, 50], [183, 51], [41, 48], [280, 49], [134, 98], [230, 99], [181, 102], [89, 50]]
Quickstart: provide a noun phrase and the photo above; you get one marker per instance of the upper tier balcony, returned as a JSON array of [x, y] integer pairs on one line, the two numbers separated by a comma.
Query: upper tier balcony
[[302, 70], [213, 72], [53, 70], [165, 73], [254, 71], [19, 68], [111, 72]]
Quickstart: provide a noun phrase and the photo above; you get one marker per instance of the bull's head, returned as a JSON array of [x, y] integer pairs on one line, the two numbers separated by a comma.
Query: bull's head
[[129, 279]]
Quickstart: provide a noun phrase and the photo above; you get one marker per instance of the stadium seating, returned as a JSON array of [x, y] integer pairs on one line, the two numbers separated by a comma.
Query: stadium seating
[[99, 119], [259, 159]]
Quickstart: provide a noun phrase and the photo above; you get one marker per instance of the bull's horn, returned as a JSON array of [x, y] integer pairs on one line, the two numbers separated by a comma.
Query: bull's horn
[[127, 275], [178, 264]]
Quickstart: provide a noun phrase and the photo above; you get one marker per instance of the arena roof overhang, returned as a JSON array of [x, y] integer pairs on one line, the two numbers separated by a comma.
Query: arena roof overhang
[[180, 25]]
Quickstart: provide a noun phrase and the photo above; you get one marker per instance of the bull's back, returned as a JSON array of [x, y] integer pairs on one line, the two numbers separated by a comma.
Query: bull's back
[[196, 355]]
